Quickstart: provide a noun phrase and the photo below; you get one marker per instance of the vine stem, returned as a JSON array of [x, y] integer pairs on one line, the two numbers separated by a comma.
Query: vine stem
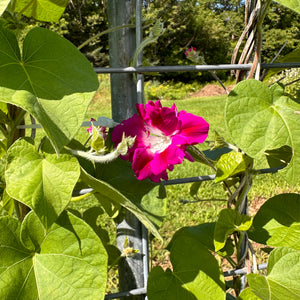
[[105, 32], [16, 116], [11, 130]]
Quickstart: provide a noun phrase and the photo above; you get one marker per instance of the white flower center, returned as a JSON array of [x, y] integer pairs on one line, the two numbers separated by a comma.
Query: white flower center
[[158, 143]]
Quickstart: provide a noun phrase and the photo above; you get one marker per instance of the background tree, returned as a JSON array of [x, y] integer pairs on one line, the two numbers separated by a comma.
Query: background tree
[[188, 23], [281, 26]]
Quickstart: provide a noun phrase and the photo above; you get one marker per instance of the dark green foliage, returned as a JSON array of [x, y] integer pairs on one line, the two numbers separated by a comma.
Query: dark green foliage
[[281, 26], [188, 23]]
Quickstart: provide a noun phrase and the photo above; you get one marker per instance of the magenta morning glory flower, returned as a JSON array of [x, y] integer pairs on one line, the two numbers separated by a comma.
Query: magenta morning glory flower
[[189, 51], [90, 129], [101, 130], [162, 135]]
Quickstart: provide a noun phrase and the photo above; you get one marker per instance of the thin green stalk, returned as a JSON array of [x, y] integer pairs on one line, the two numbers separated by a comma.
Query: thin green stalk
[[11, 137], [105, 32], [242, 196], [231, 261], [114, 263], [81, 197]]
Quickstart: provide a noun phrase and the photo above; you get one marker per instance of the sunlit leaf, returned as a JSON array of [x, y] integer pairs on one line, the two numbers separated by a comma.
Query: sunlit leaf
[[196, 273], [277, 223], [292, 4], [260, 119], [42, 10], [230, 164], [247, 294], [51, 80], [293, 56], [228, 222], [42, 182], [283, 277], [67, 262], [3, 6]]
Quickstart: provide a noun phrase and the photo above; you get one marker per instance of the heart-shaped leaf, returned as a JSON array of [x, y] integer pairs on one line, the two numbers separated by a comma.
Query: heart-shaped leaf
[[42, 182], [230, 164], [283, 276], [259, 119], [277, 223], [196, 273], [67, 262], [42, 10], [51, 80], [228, 222]]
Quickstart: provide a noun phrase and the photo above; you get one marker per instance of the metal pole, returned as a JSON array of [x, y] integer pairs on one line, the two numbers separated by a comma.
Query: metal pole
[[121, 50], [139, 39], [194, 68], [122, 45]]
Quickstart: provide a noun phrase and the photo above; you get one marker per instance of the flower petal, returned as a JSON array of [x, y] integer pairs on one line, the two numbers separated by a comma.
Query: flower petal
[[171, 156], [194, 129], [141, 166]]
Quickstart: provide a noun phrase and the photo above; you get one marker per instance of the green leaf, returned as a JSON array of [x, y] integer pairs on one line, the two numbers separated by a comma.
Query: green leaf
[[69, 261], [42, 182], [204, 234], [195, 188], [230, 164], [292, 4], [247, 294], [278, 254], [200, 156], [216, 153], [3, 107], [150, 197], [90, 216], [42, 10], [277, 223], [196, 273], [154, 205], [8, 203], [97, 142], [293, 56], [283, 277], [3, 6], [279, 157], [32, 233], [228, 222], [259, 119], [108, 192], [52, 80]]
